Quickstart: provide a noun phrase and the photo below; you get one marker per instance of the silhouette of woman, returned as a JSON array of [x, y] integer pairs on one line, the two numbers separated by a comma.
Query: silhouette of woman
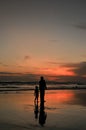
[[42, 87]]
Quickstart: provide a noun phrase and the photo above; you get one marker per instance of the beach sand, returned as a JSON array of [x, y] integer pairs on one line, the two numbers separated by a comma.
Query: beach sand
[[63, 110]]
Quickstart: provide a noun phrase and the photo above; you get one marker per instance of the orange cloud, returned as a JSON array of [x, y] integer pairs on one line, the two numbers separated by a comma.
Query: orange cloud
[[57, 71]]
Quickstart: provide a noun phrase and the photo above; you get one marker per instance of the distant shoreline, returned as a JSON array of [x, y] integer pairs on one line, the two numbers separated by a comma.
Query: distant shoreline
[[29, 89], [36, 82]]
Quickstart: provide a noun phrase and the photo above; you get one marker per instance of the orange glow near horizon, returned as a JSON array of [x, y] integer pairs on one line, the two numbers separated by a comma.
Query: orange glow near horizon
[[26, 69], [62, 71]]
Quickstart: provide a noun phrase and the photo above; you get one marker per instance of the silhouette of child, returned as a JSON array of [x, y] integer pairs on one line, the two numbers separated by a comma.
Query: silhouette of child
[[36, 93]]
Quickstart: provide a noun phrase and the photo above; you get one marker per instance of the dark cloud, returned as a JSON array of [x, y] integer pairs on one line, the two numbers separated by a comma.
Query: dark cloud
[[9, 73], [70, 65], [73, 79], [63, 64], [81, 69], [27, 57], [78, 68], [53, 41], [9, 76], [53, 63], [56, 63], [15, 65], [2, 64], [80, 26]]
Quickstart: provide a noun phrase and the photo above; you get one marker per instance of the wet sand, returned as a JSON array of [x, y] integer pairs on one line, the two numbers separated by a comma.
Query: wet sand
[[64, 110]]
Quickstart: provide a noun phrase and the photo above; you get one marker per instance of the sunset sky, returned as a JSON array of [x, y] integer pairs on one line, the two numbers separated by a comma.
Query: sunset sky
[[43, 37]]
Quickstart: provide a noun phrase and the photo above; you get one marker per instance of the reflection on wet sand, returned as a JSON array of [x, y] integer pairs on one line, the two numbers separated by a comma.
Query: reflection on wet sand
[[40, 113], [76, 97], [60, 111], [60, 96]]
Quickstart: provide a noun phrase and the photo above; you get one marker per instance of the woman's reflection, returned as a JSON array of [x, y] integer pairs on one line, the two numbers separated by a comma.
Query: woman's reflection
[[40, 113]]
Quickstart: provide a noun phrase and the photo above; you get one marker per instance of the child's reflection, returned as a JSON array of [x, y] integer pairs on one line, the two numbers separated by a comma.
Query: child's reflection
[[42, 114], [36, 111]]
